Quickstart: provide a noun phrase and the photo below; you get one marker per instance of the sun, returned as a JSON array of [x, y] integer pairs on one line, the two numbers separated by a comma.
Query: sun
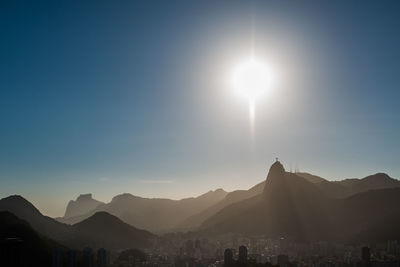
[[250, 79]]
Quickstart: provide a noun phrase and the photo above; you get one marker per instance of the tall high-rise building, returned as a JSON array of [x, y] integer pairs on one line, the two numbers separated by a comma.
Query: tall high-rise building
[[283, 260], [11, 252], [228, 258], [242, 255], [71, 258], [102, 258], [57, 259], [88, 260], [366, 255], [197, 244], [189, 248]]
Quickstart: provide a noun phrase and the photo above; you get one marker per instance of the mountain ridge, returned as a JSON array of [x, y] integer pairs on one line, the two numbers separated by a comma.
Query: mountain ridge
[[154, 214], [294, 207], [80, 235], [133, 209], [36, 248], [83, 204], [105, 230]]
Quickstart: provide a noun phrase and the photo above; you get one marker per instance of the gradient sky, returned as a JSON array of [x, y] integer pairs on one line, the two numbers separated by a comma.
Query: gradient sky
[[115, 96]]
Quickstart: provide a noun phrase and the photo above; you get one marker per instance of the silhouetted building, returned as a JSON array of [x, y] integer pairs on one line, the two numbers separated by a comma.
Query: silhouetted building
[[242, 255], [11, 252], [228, 258], [283, 260], [393, 247], [71, 258], [189, 247], [181, 252], [88, 257], [102, 258], [57, 260], [197, 244], [197, 250], [366, 256]]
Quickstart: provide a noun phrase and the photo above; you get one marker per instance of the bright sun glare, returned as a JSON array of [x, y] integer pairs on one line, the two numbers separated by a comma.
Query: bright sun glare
[[251, 80]]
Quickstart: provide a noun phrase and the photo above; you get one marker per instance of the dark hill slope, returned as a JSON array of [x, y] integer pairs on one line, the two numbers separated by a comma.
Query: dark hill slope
[[20, 245], [24, 210], [283, 209], [196, 220], [105, 230], [99, 230]]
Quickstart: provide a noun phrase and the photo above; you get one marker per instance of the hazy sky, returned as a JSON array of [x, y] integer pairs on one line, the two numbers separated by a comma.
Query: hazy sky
[[116, 96]]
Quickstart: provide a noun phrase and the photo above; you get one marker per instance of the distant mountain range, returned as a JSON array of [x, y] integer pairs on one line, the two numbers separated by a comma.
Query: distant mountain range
[[194, 221], [154, 214], [99, 230], [349, 187], [165, 215], [298, 205], [82, 205]]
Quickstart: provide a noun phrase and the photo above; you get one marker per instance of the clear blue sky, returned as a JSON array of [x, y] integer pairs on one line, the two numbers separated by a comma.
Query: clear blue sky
[[115, 96]]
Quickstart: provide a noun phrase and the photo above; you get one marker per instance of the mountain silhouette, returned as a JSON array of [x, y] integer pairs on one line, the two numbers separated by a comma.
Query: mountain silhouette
[[292, 206], [371, 182], [349, 187], [105, 230], [82, 205], [194, 221], [311, 177], [282, 209], [101, 229], [153, 214], [24, 210], [22, 245], [371, 215], [165, 215]]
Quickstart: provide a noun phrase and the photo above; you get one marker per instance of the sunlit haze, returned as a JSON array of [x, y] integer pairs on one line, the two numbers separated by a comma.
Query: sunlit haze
[[250, 79]]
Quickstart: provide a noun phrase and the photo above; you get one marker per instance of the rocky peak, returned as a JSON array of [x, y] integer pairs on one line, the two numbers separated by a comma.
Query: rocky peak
[[84, 197], [275, 177]]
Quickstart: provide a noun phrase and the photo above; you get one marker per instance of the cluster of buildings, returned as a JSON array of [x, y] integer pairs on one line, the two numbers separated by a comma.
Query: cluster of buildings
[[85, 258], [227, 251], [240, 251]]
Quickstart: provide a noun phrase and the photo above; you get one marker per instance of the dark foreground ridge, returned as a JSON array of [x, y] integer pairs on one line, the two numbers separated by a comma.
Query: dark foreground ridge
[[22, 245], [100, 230]]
